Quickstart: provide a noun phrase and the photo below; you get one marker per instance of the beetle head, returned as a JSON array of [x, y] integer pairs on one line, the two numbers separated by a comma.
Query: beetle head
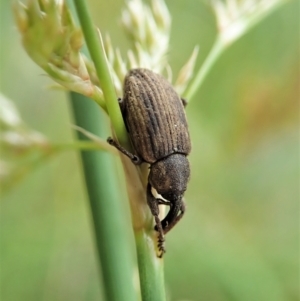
[[169, 177]]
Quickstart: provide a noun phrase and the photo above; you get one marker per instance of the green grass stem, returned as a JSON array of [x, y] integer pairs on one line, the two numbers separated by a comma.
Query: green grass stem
[[220, 46], [202, 73], [151, 268], [98, 56], [110, 221]]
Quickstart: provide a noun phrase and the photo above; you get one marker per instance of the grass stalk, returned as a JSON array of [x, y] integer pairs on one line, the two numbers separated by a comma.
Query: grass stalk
[[151, 269], [98, 56], [150, 266], [110, 222], [78, 145], [201, 75]]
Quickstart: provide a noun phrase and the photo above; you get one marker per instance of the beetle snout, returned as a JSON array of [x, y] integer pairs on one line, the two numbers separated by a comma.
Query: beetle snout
[[172, 197]]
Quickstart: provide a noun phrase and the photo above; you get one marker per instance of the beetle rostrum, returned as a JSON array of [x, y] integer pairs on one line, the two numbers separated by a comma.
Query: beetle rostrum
[[155, 119]]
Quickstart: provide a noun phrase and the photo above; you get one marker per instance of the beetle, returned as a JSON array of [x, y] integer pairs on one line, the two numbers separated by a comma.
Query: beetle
[[155, 119]]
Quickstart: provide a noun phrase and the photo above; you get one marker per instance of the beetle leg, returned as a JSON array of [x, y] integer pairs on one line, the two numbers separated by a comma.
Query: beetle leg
[[121, 104], [123, 111], [163, 202], [153, 205], [134, 158], [184, 102], [168, 226]]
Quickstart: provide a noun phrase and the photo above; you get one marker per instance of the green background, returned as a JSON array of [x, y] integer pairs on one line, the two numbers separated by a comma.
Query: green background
[[239, 239]]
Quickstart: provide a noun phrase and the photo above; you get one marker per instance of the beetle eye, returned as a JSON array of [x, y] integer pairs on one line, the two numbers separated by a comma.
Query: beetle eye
[[135, 159]]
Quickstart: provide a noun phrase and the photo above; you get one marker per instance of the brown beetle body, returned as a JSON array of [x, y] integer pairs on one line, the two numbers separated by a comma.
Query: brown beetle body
[[150, 98], [155, 119]]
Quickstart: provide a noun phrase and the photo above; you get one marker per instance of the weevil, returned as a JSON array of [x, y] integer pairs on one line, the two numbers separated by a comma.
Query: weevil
[[155, 120]]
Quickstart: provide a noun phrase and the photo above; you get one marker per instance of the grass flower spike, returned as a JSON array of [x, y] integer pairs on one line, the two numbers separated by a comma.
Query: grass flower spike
[[17, 142], [234, 17], [52, 40], [16, 136], [148, 29]]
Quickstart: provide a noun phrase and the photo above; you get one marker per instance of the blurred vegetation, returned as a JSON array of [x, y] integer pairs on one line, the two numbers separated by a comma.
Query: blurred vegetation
[[239, 239]]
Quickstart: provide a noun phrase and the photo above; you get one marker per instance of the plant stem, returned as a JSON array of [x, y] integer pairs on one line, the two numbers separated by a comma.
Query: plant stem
[[198, 80], [220, 46], [78, 145], [101, 65], [151, 268], [111, 224]]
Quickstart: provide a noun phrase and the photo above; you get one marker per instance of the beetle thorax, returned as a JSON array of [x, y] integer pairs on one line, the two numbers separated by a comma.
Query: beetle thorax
[[169, 176]]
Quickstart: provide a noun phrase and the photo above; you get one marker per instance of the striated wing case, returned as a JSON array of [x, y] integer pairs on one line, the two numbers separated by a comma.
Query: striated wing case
[[154, 116]]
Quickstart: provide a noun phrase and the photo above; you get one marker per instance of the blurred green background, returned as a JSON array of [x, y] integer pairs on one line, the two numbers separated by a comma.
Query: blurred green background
[[239, 240]]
